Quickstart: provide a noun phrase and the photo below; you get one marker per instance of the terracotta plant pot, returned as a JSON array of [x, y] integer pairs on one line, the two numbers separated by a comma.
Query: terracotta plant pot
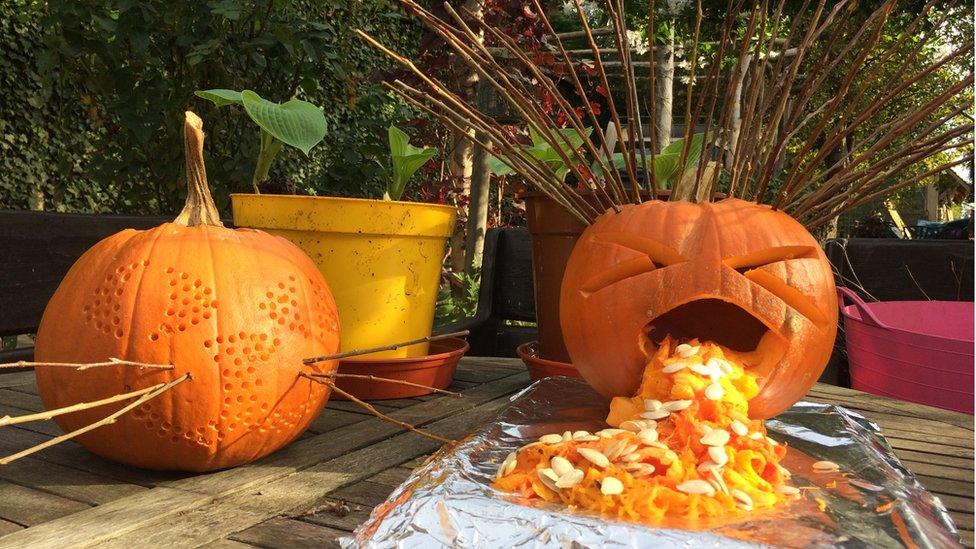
[[540, 368], [433, 370], [554, 234]]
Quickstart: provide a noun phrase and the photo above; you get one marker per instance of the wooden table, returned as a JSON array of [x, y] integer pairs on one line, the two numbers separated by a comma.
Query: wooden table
[[325, 484]]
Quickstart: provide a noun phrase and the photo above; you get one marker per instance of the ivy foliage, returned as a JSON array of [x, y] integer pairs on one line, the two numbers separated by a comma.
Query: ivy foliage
[[95, 90]]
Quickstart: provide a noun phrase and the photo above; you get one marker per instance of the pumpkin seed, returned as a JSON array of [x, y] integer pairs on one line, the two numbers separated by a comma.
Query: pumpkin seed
[[705, 467], [676, 405], [714, 391], [772, 442], [787, 490], [719, 481], [610, 486], [631, 457], [587, 438], [614, 450], [719, 366], [669, 457], [551, 439], [739, 428], [643, 471], [826, 467], [684, 350], [652, 405], [676, 366], [631, 425], [659, 414], [610, 433], [594, 456], [658, 444], [570, 479], [696, 487], [718, 455], [648, 436], [715, 437], [549, 478], [567, 436], [629, 449], [507, 466], [742, 499], [701, 370], [756, 436], [560, 465]]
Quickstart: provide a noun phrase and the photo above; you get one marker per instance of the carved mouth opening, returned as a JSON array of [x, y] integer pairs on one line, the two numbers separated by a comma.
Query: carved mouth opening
[[718, 321]]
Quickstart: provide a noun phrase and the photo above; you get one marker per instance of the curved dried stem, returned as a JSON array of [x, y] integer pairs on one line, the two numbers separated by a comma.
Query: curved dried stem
[[86, 365], [335, 375], [49, 414], [390, 347], [104, 421], [365, 405]]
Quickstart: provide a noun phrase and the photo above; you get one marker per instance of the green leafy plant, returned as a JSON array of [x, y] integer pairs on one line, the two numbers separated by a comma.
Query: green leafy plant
[[405, 160], [297, 123], [457, 298], [666, 163], [542, 150]]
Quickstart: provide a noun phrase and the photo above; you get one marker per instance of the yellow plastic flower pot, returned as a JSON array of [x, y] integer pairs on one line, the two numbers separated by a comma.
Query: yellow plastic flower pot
[[382, 259]]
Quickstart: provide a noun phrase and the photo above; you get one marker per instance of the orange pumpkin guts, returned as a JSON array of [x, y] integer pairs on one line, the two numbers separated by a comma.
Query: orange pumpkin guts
[[736, 273], [236, 309]]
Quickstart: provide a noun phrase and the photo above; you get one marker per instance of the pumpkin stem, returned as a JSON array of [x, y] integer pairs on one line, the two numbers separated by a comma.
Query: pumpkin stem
[[200, 208]]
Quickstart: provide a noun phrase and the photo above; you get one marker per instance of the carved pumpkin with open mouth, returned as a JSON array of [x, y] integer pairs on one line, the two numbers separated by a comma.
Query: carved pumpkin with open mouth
[[737, 273]]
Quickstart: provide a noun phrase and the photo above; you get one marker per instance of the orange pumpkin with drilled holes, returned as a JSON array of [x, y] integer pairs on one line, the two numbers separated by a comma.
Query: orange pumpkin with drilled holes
[[236, 309], [733, 272]]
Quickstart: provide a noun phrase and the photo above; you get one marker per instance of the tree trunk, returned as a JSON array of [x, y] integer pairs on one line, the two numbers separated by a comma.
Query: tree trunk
[[663, 91], [931, 200], [460, 162], [477, 208]]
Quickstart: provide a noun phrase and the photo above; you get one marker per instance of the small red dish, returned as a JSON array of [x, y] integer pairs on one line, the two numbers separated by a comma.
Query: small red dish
[[434, 370], [540, 367]]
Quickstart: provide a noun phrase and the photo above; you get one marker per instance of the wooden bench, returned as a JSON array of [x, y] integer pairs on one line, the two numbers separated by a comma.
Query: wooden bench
[[38, 249]]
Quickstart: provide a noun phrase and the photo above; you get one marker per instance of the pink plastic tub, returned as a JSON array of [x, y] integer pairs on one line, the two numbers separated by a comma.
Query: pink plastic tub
[[920, 351]]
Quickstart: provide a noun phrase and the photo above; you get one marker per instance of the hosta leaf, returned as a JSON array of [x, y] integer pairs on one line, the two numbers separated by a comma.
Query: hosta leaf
[[297, 123], [497, 167], [221, 97], [406, 159]]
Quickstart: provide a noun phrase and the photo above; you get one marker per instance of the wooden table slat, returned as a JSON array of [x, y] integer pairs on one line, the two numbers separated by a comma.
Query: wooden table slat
[[284, 533]]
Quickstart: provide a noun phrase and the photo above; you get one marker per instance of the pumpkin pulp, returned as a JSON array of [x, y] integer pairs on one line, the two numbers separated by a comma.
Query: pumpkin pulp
[[683, 447]]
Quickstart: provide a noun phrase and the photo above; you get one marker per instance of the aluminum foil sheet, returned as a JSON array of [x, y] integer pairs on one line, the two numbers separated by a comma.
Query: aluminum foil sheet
[[873, 502]]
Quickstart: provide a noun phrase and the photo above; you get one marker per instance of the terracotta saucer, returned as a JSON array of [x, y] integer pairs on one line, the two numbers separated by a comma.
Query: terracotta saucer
[[434, 370], [540, 367]]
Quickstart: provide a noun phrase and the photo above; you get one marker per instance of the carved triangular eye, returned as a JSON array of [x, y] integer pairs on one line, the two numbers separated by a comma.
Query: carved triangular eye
[[760, 258], [661, 255], [656, 256], [749, 265]]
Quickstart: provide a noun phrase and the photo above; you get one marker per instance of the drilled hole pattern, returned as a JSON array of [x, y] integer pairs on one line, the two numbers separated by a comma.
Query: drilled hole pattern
[[325, 320], [281, 305], [190, 302], [243, 359], [103, 309]]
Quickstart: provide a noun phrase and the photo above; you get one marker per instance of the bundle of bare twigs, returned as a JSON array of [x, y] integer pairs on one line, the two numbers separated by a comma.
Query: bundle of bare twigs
[[804, 83]]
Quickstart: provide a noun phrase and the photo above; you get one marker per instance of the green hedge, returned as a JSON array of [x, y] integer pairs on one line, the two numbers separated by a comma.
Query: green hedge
[[95, 90]]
